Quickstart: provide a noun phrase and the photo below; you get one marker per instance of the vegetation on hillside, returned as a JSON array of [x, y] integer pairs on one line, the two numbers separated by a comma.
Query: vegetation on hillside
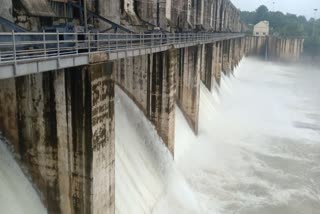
[[287, 25]]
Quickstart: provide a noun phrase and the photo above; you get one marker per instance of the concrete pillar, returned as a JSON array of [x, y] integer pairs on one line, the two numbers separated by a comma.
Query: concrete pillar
[[207, 73], [129, 11], [8, 111], [180, 14], [37, 131], [152, 13], [188, 84], [6, 12], [150, 81], [218, 16], [109, 9], [211, 74], [208, 17], [199, 13], [226, 63], [218, 62], [284, 48], [65, 136], [162, 101], [232, 54], [103, 139]]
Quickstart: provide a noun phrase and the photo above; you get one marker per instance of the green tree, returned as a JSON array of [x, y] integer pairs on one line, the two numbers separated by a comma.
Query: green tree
[[261, 13], [287, 25]]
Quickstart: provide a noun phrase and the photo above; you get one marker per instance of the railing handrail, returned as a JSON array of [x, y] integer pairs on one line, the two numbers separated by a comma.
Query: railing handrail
[[21, 46]]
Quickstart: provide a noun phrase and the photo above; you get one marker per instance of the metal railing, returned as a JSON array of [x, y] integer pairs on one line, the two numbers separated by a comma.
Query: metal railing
[[20, 47]]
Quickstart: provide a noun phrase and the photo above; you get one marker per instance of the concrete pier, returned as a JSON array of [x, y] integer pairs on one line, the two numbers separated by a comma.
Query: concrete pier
[[285, 49], [60, 123], [188, 83], [150, 81]]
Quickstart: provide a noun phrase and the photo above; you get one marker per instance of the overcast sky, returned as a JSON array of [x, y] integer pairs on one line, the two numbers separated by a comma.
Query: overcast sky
[[300, 7]]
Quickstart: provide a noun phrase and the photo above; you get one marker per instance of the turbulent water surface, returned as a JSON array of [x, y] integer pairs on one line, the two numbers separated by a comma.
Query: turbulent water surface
[[258, 149]]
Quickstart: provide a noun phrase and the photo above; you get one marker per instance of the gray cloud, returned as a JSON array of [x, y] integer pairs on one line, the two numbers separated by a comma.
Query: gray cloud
[[299, 7]]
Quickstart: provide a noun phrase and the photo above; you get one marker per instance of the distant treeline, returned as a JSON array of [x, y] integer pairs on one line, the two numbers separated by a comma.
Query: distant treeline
[[287, 25]]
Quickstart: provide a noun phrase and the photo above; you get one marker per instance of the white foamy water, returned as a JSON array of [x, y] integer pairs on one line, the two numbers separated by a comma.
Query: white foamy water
[[17, 195], [146, 179], [258, 151], [258, 148]]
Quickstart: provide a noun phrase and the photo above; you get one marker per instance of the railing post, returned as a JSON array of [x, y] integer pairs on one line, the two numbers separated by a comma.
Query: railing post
[[109, 46], [58, 44], [161, 39], [58, 49], [117, 41], [126, 41], [14, 46], [77, 44], [98, 41], [44, 44], [14, 52], [142, 39], [89, 41], [152, 42], [131, 40]]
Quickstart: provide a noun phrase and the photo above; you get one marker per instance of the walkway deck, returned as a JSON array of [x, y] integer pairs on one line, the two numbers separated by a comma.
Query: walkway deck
[[28, 53]]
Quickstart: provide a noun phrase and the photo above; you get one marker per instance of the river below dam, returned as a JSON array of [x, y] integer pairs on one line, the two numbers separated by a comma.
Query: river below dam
[[258, 148], [258, 151]]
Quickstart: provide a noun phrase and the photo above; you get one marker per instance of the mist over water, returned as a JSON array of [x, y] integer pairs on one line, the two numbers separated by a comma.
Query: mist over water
[[258, 148], [147, 180]]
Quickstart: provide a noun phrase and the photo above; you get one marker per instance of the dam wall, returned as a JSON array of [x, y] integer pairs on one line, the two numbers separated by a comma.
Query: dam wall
[[60, 123], [256, 45], [285, 49]]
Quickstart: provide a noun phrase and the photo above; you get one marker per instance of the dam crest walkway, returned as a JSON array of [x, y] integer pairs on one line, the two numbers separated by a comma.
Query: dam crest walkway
[[28, 53]]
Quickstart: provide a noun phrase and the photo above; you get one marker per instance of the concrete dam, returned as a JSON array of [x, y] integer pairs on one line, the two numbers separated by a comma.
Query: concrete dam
[[61, 63]]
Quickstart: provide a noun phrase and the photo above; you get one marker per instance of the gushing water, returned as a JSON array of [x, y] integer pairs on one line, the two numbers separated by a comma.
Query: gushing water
[[257, 150], [17, 196], [146, 179]]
